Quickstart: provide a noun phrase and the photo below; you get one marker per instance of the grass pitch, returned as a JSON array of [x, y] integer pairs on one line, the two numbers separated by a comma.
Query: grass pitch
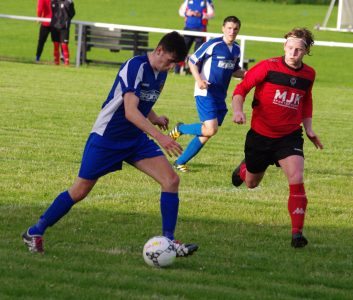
[[96, 251]]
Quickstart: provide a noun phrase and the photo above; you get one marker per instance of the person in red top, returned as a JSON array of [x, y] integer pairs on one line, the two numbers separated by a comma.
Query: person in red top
[[282, 102], [43, 11]]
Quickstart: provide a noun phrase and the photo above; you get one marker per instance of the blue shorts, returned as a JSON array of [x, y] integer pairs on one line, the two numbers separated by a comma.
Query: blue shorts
[[210, 108], [99, 160]]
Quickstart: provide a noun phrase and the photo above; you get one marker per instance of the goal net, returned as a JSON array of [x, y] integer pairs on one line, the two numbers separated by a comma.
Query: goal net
[[344, 16]]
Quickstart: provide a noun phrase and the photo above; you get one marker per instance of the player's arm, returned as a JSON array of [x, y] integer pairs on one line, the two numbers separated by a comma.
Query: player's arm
[[254, 77], [307, 123], [202, 84], [238, 113], [133, 114], [40, 9], [307, 119], [210, 10], [240, 73], [161, 121], [183, 9]]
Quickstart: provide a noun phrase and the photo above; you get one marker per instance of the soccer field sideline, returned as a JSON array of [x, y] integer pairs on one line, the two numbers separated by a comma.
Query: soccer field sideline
[[242, 39]]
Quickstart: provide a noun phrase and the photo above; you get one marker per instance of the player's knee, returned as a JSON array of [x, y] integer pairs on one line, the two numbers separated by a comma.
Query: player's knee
[[251, 184], [78, 194], [171, 182], [209, 131], [296, 178]]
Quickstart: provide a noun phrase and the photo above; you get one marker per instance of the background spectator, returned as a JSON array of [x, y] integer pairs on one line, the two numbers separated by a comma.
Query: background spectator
[[43, 11], [62, 13], [196, 14]]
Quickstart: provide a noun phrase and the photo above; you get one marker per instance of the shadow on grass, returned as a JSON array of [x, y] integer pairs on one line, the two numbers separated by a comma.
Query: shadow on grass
[[97, 250]]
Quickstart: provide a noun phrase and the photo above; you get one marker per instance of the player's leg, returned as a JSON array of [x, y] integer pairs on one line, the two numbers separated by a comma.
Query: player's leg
[[290, 156], [96, 162], [209, 128], [211, 114], [65, 45], [293, 168], [181, 128], [62, 204], [208, 111], [43, 35], [199, 40], [161, 171], [58, 209], [188, 42], [252, 169], [55, 36]]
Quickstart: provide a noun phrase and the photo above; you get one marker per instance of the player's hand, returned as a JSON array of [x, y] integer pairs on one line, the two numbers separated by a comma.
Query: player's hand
[[189, 13], [162, 122], [239, 117], [169, 145], [203, 84], [314, 139]]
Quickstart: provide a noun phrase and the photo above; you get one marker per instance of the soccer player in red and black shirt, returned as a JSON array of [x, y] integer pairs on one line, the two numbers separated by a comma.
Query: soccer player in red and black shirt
[[282, 102]]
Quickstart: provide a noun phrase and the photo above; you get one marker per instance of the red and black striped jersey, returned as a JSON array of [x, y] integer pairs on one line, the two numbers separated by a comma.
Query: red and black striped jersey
[[282, 97]]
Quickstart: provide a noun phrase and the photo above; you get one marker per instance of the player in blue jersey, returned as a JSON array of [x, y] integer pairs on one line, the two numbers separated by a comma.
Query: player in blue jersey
[[196, 14], [212, 66], [120, 134]]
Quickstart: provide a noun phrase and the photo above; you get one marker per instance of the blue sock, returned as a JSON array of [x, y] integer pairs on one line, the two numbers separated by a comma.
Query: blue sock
[[59, 208], [194, 129], [191, 150], [169, 211]]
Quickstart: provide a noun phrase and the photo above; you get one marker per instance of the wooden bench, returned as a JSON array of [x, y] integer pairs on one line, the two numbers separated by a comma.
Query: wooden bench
[[114, 40]]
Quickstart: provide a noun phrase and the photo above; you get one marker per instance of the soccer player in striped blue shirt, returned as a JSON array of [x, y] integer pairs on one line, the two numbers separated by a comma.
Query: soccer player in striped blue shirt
[[212, 66], [120, 133]]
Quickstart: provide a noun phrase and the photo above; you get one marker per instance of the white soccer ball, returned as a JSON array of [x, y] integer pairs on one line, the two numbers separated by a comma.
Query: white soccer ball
[[159, 251]]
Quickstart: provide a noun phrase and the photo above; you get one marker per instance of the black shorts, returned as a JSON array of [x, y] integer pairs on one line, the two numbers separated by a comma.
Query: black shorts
[[60, 35], [261, 151]]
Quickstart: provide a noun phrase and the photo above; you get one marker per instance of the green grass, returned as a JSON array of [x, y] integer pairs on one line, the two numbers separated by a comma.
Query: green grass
[[46, 115], [258, 19]]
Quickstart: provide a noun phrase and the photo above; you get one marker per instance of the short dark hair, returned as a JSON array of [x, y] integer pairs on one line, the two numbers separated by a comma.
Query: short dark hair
[[232, 19], [304, 34], [174, 43]]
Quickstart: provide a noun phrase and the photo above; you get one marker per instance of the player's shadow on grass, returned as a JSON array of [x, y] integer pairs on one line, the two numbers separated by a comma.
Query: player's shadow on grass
[[94, 231], [100, 245]]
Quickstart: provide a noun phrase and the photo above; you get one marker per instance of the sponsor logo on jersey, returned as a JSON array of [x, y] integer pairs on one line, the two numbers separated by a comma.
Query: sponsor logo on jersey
[[226, 64], [290, 100], [298, 211], [145, 84], [149, 96], [293, 81]]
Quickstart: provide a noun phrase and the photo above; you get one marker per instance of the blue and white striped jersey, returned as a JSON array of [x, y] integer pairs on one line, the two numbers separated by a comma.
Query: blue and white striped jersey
[[136, 76], [217, 62]]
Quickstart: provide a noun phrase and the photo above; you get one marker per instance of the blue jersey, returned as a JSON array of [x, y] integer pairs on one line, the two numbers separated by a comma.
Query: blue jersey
[[137, 76], [217, 62], [197, 22]]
